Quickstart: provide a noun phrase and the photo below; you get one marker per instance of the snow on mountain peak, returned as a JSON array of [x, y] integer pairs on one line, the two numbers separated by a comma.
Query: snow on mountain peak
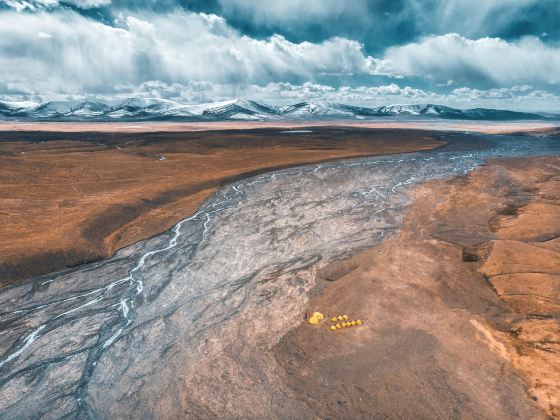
[[139, 109]]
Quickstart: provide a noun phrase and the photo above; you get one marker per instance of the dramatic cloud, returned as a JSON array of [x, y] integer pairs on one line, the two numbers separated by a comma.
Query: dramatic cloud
[[516, 96], [485, 61], [88, 4], [379, 24], [279, 93], [35, 5], [376, 23], [295, 12], [503, 52], [66, 51]]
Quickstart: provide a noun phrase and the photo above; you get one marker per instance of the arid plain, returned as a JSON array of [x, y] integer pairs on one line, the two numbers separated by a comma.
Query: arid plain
[[461, 302]]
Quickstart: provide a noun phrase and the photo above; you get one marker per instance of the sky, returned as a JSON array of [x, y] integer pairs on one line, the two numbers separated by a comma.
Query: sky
[[463, 53]]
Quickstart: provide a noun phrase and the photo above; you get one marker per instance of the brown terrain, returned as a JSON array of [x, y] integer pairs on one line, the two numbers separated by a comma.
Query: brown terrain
[[69, 198], [163, 126], [461, 308]]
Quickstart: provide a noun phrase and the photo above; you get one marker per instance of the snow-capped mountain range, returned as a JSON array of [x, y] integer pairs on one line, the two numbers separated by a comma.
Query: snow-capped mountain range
[[239, 109]]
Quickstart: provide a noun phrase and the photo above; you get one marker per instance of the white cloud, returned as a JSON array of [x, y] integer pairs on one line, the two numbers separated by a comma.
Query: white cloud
[[522, 97], [83, 55], [490, 61], [437, 15], [88, 4], [516, 94], [20, 5], [199, 58], [470, 18], [280, 93], [36, 5], [294, 12], [380, 23]]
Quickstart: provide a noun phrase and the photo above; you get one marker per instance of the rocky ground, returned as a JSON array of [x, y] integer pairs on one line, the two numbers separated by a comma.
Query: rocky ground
[[461, 309], [69, 198]]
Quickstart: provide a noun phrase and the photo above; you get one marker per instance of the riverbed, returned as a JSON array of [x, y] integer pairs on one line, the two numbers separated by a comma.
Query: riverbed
[[205, 301]]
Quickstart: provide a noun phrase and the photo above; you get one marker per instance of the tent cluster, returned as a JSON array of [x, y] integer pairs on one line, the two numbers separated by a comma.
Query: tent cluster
[[339, 322], [316, 318], [342, 321]]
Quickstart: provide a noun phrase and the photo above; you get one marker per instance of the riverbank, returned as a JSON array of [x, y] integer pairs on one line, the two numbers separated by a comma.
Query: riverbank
[[461, 308], [72, 198]]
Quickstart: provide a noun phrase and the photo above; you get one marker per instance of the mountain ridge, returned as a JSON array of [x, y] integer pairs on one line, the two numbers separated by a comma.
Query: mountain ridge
[[154, 109]]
